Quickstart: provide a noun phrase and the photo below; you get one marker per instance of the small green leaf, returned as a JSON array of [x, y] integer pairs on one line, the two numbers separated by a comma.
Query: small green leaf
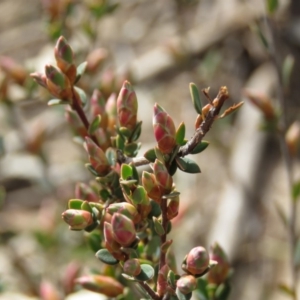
[[172, 279], [223, 291], [180, 134], [287, 68], [183, 296], [139, 195], [296, 191], [91, 169], [150, 155], [75, 204], [159, 155], [187, 165], [126, 172], [200, 147], [201, 290], [135, 174], [196, 98], [131, 149], [111, 156], [82, 95], [86, 206], [158, 227], [94, 125], [105, 256], [136, 131], [80, 71], [54, 102], [173, 168], [94, 240], [155, 211], [147, 273], [125, 132], [104, 195], [120, 142], [272, 5]]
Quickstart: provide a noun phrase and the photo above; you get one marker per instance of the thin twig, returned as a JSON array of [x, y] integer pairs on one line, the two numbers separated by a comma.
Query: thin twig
[[149, 290], [81, 114], [206, 124], [283, 125]]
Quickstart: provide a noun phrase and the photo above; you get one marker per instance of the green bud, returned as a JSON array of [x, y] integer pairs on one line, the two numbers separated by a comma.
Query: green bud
[[127, 106], [132, 267], [162, 176], [126, 209], [58, 83], [197, 261], [123, 229], [186, 284], [77, 219], [151, 186], [219, 272], [164, 130], [97, 157]]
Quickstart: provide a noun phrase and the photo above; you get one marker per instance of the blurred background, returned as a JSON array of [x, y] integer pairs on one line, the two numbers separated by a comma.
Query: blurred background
[[241, 196]]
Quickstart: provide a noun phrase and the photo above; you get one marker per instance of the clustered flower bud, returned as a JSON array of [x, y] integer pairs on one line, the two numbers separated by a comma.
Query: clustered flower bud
[[186, 284], [97, 157], [197, 261], [127, 106], [77, 219], [219, 272], [132, 267], [164, 130]]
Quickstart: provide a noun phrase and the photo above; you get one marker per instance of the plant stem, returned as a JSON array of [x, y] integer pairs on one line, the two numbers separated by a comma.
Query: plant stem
[[78, 108], [206, 124], [149, 290], [163, 238]]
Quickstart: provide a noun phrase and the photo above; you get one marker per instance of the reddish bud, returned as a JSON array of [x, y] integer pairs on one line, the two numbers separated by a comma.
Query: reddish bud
[[151, 186], [64, 58], [186, 284], [162, 176], [39, 78], [123, 229], [48, 291], [15, 71], [173, 208], [112, 246], [162, 280], [132, 267], [97, 157], [263, 103], [127, 106], [71, 273], [125, 209], [164, 130], [101, 284], [219, 272], [111, 110], [95, 59], [197, 261], [292, 138], [85, 192], [58, 83], [77, 219]]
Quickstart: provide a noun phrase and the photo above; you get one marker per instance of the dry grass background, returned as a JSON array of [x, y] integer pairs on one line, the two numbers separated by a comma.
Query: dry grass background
[[232, 201]]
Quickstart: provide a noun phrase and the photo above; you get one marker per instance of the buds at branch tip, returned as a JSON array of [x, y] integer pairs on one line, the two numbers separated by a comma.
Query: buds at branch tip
[[101, 284], [127, 107], [77, 219], [164, 130]]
